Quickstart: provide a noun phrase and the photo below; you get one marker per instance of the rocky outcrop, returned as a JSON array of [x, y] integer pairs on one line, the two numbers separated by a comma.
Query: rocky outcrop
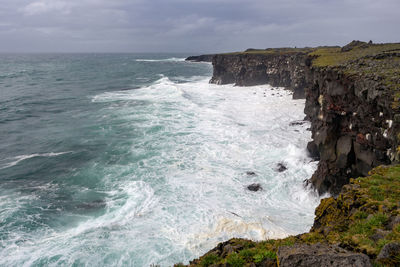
[[350, 101], [320, 255], [277, 69], [353, 102], [359, 227], [201, 58], [352, 125]]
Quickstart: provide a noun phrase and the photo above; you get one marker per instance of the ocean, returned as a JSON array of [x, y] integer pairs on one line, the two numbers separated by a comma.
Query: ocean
[[135, 159]]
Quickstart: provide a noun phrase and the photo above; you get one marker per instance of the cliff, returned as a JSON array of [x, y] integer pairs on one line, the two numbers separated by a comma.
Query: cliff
[[360, 227], [352, 100], [278, 67], [201, 58]]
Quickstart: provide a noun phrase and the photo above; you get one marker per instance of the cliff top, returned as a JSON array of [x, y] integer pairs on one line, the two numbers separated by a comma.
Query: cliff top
[[271, 51], [377, 62]]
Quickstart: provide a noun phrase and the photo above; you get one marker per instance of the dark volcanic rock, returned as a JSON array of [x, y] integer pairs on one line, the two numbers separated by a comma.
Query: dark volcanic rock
[[389, 253], [354, 44], [251, 173], [201, 58], [281, 167], [294, 123], [354, 123], [312, 149], [320, 255], [280, 70], [254, 187]]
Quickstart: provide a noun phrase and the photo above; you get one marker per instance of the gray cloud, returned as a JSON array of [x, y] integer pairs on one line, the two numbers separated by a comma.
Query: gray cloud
[[191, 25]]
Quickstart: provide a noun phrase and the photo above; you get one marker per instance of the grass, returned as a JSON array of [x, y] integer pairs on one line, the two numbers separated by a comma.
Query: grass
[[209, 260], [368, 60], [351, 220]]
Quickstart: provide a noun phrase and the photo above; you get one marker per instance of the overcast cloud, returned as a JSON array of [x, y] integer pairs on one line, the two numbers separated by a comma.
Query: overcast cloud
[[191, 25]]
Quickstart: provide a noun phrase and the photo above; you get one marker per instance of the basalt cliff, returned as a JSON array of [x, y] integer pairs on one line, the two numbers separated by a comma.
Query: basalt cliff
[[353, 102]]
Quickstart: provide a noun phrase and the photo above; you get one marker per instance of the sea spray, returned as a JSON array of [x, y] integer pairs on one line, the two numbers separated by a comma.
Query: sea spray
[[107, 175]]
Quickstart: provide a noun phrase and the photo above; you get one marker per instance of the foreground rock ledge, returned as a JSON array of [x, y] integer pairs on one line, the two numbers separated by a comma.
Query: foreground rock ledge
[[320, 255], [360, 227]]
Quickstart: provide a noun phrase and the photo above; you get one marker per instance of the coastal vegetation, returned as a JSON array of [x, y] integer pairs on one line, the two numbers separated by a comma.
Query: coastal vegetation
[[353, 102], [364, 218]]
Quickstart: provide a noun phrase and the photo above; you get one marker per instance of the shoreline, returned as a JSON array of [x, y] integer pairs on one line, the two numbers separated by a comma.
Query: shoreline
[[336, 83]]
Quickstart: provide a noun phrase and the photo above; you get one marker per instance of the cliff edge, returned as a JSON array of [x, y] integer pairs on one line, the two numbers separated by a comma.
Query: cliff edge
[[361, 227], [352, 100]]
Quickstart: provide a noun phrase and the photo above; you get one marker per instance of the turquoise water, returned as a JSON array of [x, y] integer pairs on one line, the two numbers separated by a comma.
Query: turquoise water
[[134, 159]]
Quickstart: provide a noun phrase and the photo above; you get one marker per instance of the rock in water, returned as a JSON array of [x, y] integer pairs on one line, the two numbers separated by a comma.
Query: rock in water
[[320, 255], [250, 173], [254, 187], [281, 167], [294, 123]]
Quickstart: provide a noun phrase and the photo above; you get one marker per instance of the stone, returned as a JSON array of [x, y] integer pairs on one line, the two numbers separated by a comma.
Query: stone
[[343, 148], [379, 234], [294, 123], [201, 58], [254, 187], [393, 221], [251, 173], [389, 253], [320, 255], [312, 149], [281, 167]]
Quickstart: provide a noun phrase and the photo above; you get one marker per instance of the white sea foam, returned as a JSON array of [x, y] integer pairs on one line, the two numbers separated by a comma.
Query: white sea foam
[[182, 187], [9, 162]]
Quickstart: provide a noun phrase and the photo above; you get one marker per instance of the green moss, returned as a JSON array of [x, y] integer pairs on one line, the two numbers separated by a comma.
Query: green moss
[[335, 57], [360, 215], [379, 62], [234, 260], [209, 259], [262, 255], [357, 219]]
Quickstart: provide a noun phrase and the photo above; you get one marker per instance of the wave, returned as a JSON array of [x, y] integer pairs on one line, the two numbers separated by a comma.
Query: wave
[[20, 158], [172, 59], [128, 94]]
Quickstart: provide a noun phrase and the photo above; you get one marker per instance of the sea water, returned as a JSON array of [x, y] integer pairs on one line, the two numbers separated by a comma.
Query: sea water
[[135, 159]]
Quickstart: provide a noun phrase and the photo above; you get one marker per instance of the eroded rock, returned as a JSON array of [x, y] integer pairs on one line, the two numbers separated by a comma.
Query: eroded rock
[[281, 167], [254, 187], [320, 255]]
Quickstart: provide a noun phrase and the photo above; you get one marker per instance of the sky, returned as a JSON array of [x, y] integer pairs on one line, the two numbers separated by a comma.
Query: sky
[[193, 26]]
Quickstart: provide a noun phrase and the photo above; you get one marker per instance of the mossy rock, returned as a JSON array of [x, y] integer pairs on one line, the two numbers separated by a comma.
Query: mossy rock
[[357, 219]]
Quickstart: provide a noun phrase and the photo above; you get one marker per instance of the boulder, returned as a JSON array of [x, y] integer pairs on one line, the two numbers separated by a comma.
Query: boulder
[[281, 167], [320, 255], [254, 187], [390, 254]]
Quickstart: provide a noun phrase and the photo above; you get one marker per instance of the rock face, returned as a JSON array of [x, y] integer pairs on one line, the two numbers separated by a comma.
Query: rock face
[[285, 70], [201, 58], [354, 122], [320, 255]]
